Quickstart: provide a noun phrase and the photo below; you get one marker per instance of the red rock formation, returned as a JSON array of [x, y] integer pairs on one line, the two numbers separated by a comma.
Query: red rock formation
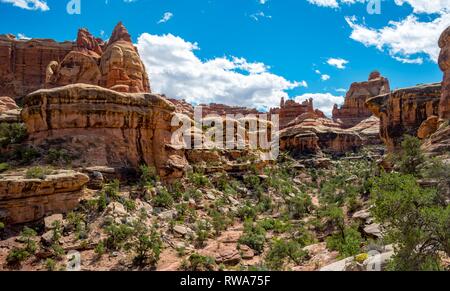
[[88, 43], [9, 111], [403, 111], [369, 130], [311, 134], [23, 63], [121, 67], [25, 200], [223, 110], [104, 127], [444, 64], [354, 109], [289, 110]]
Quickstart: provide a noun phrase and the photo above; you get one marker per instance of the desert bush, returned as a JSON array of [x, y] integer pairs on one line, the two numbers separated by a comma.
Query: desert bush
[[284, 251], [58, 156], [198, 263], [149, 176], [118, 236], [254, 236], [411, 156], [4, 167], [50, 264], [100, 249], [38, 172], [219, 221], [199, 179], [202, 230], [18, 255], [299, 206], [347, 242], [12, 133], [163, 199], [247, 211], [147, 243], [25, 155], [417, 221]]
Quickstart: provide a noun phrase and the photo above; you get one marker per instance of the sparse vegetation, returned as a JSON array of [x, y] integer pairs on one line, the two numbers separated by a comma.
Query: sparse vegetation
[[38, 172]]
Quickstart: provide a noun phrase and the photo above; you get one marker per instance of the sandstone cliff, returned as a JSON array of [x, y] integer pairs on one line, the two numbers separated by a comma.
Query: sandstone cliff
[[311, 134], [23, 63], [444, 63], [404, 111], [354, 109], [104, 127]]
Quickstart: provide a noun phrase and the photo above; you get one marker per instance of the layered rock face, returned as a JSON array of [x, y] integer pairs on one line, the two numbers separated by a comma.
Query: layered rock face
[[9, 111], [24, 200], [121, 67], [369, 130], [354, 109], [23, 63], [223, 110], [444, 64], [116, 66], [404, 111], [104, 127], [311, 134], [289, 110]]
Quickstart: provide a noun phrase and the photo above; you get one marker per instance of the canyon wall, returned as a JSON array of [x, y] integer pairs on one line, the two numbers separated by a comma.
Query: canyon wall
[[289, 110], [102, 127], [404, 111], [23, 63], [354, 109]]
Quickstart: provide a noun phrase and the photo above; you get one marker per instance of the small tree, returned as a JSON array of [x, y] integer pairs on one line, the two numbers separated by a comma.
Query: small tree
[[411, 156], [417, 223]]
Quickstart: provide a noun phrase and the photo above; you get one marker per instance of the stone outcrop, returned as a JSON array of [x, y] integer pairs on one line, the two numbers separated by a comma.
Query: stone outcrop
[[9, 111], [223, 110], [369, 130], [289, 110], [404, 111], [311, 134], [25, 200], [23, 63], [444, 64], [354, 109], [104, 127], [121, 67], [116, 66]]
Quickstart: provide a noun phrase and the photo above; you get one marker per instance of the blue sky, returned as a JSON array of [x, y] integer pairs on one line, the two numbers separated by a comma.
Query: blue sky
[[253, 52]]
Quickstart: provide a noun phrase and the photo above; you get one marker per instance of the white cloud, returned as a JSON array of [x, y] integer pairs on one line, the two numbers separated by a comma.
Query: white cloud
[[29, 4], [322, 101], [325, 77], [257, 16], [406, 40], [426, 6], [337, 62], [176, 71], [166, 17]]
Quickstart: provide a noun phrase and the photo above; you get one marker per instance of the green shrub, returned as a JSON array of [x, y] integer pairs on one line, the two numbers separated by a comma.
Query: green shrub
[[38, 172], [254, 236], [4, 167], [163, 199], [149, 176], [201, 233], [284, 251], [299, 206], [347, 242], [50, 264], [100, 249], [18, 255], [199, 263], [147, 243], [25, 155], [411, 156], [416, 219], [12, 133], [199, 179], [58, 156], [247, 211], [118, 236]]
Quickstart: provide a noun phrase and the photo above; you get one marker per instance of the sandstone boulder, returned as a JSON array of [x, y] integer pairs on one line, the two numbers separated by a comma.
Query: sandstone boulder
[[9, 111], [24, 200]]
